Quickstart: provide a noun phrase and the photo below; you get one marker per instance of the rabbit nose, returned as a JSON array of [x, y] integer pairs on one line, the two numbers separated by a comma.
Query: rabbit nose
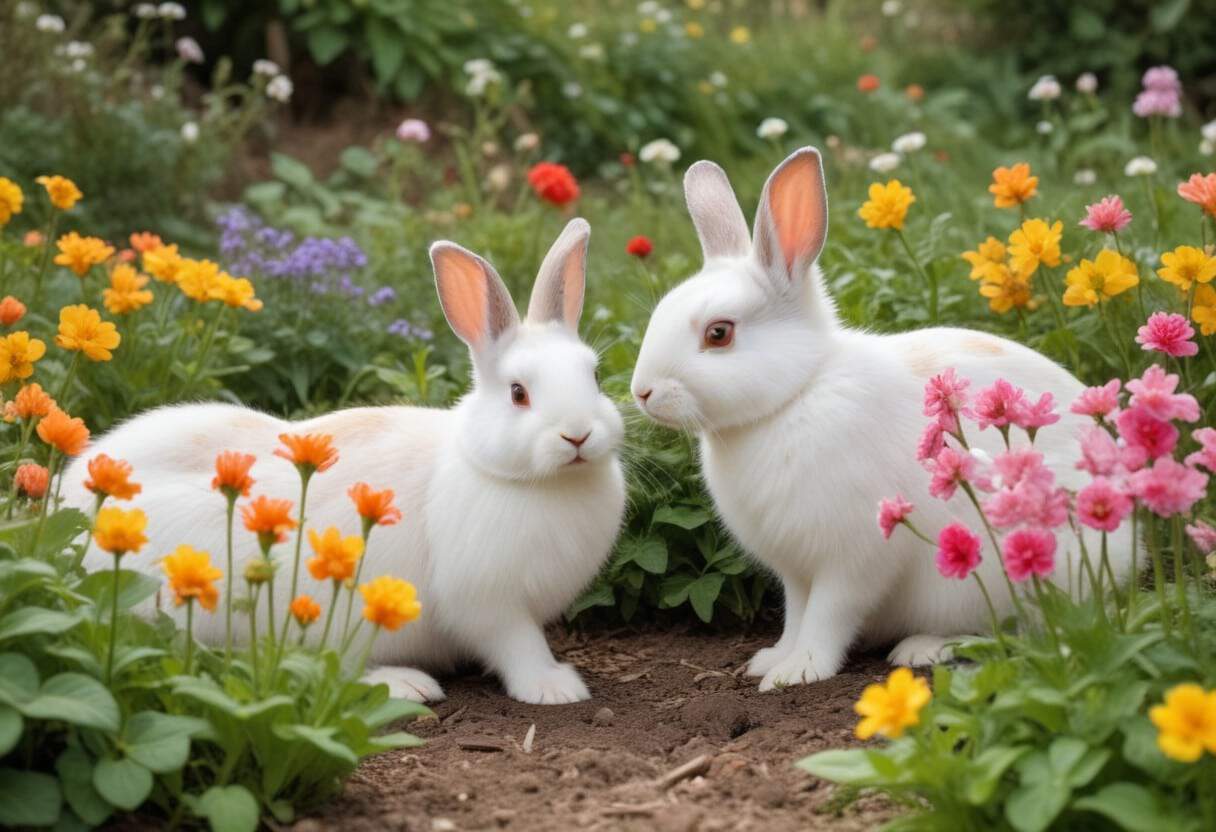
[[577, 441], [644, 395]]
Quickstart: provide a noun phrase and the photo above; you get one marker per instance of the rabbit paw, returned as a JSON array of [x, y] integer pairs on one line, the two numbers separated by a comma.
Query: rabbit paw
[[766, 659], [915, 651], [798, 668], [558, 684], [406, 683]]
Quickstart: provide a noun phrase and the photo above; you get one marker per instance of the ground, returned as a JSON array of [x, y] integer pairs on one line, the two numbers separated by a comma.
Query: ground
[[661, 700]]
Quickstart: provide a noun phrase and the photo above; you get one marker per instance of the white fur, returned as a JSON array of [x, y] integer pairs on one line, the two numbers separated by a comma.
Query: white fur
[[500, 532], [806, 424]]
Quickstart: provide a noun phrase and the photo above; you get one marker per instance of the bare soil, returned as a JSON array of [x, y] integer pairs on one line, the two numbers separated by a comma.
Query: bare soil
[[661, 700]]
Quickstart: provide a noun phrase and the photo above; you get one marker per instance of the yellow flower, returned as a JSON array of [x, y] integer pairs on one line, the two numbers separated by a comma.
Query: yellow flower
[[1005, 288], [1012, 186], [889, 709], [81, 328], [887, 206], [62, 191], [987, 254], [1186, 265], [1035, 244], [163, 263], [197, 279], [1204, 311], [11, 200], [695, 5], [119, 532], [740, 35], [192, 575], [1186, 723], [236, 292], [390, 602], [126, 292], [18, 352], [648, 25], [336, 555], [1107, 275], [694, 29], [81, 253]]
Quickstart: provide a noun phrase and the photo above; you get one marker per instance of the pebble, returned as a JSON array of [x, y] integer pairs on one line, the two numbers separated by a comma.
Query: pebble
[[442, 825], [603, 716]]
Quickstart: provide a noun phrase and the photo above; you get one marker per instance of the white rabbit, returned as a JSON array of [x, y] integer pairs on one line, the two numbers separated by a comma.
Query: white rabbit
[[512, 499], [806, 424]]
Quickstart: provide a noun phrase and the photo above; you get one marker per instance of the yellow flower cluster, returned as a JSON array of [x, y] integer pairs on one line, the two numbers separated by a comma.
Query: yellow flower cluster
[[62, 191], [1003, 281], [126, 292], [11, 200], [200, 280], [80, 254], [1107, 275]]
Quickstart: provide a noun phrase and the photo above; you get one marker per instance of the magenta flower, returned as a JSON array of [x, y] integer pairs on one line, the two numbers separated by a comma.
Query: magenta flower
[[1167, 332], [1203, 536], [958, 551], [945, 398], [1107, 216], [1102, 506], [1030, 417], [1098, 402], [1206, 455], [1154, 391], [1169, 487], [931, 442], [1028, 494], [1100, 456], [950, 468], [891, 512], [1162, 94], [1029, 552], [1144, 432], [997, 405]]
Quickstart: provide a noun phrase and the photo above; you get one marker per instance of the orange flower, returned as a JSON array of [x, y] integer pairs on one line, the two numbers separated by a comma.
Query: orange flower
[[336, 555], [145, 241], [305, 610], [31, 400], [375, 507], [110, 477], [269, 519], [32, 480], [119, 532], [390, 602], [192, 576], [126, 292], [33, 239], [914, 92], [868, 83], [232, 474], [81, 253], [11, 310], [236, 292], [1200, 190], [62, 191], [308, 452], [67, 435], [163, 263], [81, 328], [1012, 186]]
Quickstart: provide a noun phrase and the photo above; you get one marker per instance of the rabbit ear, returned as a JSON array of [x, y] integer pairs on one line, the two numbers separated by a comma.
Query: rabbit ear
[[558, 292], [792, 218], [474, 298], [715, 212]]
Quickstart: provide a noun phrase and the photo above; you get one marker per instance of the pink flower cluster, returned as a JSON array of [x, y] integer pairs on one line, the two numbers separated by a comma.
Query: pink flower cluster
[[1107, 216], [1161, 95], [1168, 332]]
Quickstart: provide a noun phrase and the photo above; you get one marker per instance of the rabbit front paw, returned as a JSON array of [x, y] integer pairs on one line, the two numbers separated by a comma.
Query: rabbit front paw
[[558, 684], [801, 667], [406, 683], [766, 659], [916, 651]]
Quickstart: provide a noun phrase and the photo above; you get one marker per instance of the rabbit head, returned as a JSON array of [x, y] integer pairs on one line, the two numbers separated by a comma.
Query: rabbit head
[[535, 408], [745, 335]]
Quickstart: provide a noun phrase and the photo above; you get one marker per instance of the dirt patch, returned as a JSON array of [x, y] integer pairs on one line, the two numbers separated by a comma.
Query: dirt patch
[[660, 701]]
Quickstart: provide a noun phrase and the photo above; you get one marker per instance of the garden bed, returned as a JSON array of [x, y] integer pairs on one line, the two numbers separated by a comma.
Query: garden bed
[[675, 697]]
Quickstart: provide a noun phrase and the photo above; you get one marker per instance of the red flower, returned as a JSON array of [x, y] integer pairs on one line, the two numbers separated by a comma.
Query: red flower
[[867, 83], [553, 183], [628, 159], [639, 246]]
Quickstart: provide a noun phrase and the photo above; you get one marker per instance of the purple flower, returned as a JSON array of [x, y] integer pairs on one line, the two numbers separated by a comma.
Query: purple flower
[[405, 329], [383, 295]]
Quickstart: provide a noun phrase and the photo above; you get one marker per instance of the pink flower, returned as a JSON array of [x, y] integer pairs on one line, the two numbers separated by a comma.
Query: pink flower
[[1102, 506], [1030, 417], [997, 405], [1169, 487], [1144, 432], [1206, 455], [1167, 332], [945, 398], [1029, 552], [1107, 216], [1203, 536], [1154, 391], [949, 469], [1100, 456], [413, 130], [931, 442], [891, 512], [1162, 94], [958, 551], [1028, 493], [1097, 401]]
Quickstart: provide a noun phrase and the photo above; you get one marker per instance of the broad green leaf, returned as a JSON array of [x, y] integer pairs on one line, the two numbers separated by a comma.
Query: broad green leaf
[[295, 173], [686, 517], [1132, 807], [28, 621], [1166, 14], [133, 587], [77, 699], [392, 710], [649, 553], [18, 678], [387, 47], [1033, 808], [28, 798], [360, 161], [11, 724], [326, 43], [703, 592], [851, 767], [75, 770], [322, 739], [123, 782], [160, 742], [986, 770], [228, 809]]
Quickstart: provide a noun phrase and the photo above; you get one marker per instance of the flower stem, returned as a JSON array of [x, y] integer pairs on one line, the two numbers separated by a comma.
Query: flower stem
[[305, 476], [329, 616], [256, 590], [189, 633], [350, 599], [228, 589], [46, 256], [113, 623], [930, 281]]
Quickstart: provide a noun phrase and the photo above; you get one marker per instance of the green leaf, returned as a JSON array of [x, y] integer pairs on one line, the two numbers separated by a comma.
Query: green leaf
[[387, 47], [1167, 14], [28, 621], [160, 742], [986, 770], [1130, 806], [649, 553], [1033, 808], [28, 798], [392, 710], [322, 739], [10, 729], [133, 587], [228, 809], [326, 43], [686, 517], [123, 782], [703, 592], [18, 679], [851, 767], [295, 173], [76, 699], [360, 161], [75, 770]]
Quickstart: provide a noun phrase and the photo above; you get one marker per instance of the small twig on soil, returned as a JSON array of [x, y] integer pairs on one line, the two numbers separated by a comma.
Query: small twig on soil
[[529, 737], [696, 766], [475, 744], [633, 677], [454, 715], [628, 810]]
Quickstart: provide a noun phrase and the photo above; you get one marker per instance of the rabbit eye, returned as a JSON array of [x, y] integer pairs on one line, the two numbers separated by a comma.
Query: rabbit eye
[[719, 334], [519, 396]]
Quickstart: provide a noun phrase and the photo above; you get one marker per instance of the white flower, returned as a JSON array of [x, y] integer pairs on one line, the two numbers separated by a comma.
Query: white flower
[[49, 23], [264, 67], [499, 177], [527, 142], [1207, 147], [909, 143], [26, 10], [479, 66], [661, 151], [772, 128], [172, 11], [146, 11], [1209, 131], [79, 65], [890, 8], [718, 79], [189, 50], [1087, 83], [489, 149], [280, 88], [601, 313], [885, 162], [189, 132], [1047, 88], [157, 92], [648, 8], [1044, 128], [591, 52], [482, 73], [413, 130], [577, 31], [78, 49], [1140, 166], [663, 16], [1085, 176], [629, 39], [572, 89]]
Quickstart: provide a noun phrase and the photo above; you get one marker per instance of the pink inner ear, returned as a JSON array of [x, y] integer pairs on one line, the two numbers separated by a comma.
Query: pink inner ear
[[797, 208], [572, 285], [462, 289]]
